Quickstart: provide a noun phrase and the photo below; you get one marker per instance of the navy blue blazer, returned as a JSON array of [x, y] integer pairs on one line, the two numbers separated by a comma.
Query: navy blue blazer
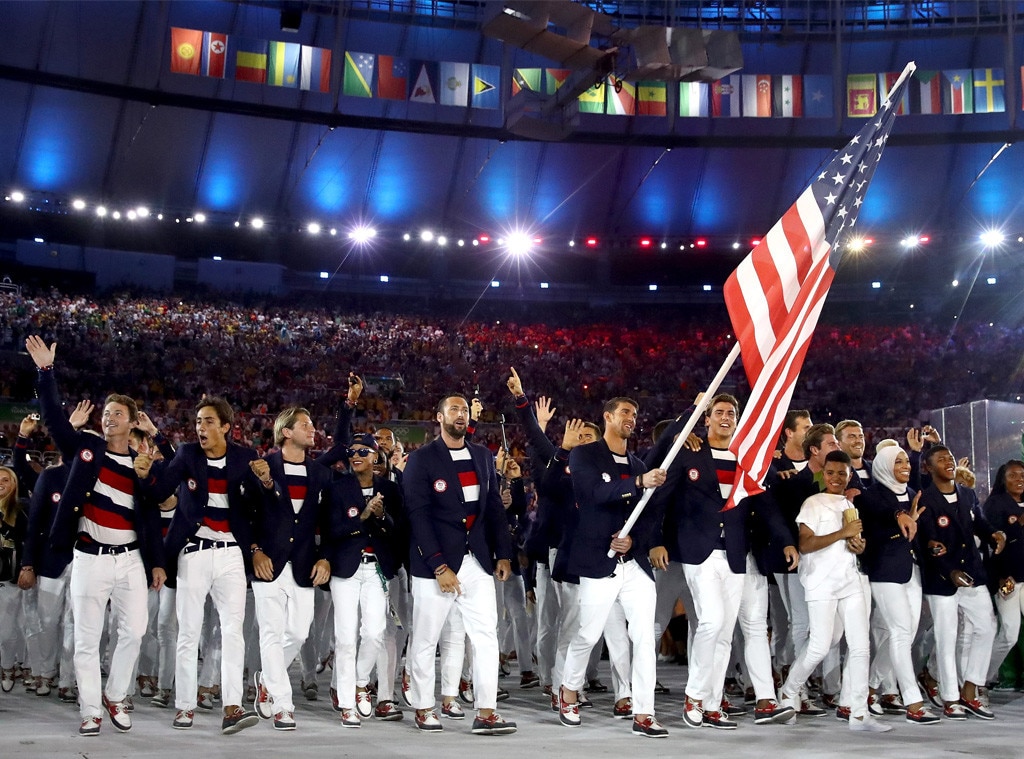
[[605, 501], [42, 510], [281, 533], [1004, 513], [346, 535], [955, 526], [789, 495], [437, 512], [554, 493], [888, 556], [188, 469], [84, 454], [693, 523]]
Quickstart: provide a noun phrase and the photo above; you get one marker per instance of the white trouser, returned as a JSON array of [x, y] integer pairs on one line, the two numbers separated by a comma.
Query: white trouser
[[95, 580], [976, 606], [635, 591], [285, 612], [480, 617], [219, 573], [320, 641], [828, 620], [616, 637], [251, 632], [547, 623], [396, 634], [209, 646], [510, 597], [753, 621], [166, 637], [882, 678], [792, 593], [781, 640], [671, 586], [1009, 610], [56, 637], [568, 625], [899, 607], [360, 615], [149, 652], [11, 626], [456, 654], [717, 592]]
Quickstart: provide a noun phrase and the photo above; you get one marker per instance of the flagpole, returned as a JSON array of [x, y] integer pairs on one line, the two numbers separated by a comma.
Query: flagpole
[[681, 439], [909, 69]]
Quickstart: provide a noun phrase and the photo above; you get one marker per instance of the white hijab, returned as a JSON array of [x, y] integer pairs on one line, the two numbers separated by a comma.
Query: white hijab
[[882, 469]]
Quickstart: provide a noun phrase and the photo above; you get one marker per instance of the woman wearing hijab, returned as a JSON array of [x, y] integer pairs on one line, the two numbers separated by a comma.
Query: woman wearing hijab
[[889, 512]]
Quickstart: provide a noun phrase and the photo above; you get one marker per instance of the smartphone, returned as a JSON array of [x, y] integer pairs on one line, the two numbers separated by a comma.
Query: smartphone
[[34, 417], [968, 579], [352, 380], [937, 550]]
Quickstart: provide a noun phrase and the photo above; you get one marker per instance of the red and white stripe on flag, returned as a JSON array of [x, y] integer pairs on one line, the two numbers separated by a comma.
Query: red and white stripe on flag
[[775, 296]]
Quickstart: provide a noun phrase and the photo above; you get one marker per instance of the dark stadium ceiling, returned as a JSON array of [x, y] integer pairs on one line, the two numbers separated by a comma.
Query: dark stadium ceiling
[[91, 110]]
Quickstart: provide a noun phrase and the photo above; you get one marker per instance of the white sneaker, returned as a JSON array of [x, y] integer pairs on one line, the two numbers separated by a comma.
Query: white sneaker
[[868, 725], [363, 705]]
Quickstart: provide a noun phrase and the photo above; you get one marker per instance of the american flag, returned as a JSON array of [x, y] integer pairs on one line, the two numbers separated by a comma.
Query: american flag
[[775, 295]]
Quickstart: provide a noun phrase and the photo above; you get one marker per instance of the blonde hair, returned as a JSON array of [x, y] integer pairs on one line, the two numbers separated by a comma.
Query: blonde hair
[[10, 506]]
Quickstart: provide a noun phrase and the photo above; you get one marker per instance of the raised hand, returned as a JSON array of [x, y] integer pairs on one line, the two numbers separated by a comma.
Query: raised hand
[[515, 385], [146, 424], [544, 410], [80, 416], [37, 349]]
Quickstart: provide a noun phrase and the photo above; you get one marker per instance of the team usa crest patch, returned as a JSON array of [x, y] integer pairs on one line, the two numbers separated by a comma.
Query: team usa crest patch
[[85, 455], [440, 486], [943, 521], [192, 484], [1013, 519], [693, 474], [55, 497], [606, 477], [353, 512]]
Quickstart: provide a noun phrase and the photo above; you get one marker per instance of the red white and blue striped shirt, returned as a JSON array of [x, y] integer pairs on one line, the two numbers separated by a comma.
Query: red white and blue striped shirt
[[108, 515]]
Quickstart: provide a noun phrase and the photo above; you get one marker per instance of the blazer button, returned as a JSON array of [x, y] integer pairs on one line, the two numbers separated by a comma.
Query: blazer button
[[721, 524], [77, 509], [296, 521], [463, 521], [291, 540]]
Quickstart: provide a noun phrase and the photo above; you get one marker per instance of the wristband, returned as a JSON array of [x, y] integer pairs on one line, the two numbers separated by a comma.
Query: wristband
[[440, 570], [254, 549]]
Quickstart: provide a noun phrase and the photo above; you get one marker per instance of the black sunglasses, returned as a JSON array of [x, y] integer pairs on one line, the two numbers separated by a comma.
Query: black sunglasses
[[361, 452]]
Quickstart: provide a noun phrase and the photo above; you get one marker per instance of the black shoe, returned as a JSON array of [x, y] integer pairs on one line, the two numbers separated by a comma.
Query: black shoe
[[237, 720]]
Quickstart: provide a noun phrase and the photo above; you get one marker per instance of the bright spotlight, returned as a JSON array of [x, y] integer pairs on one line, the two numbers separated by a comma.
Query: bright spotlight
[[200, 218], [707, 288], [17, 196], [461, 243], [385, 278], [856, 244], [735, 246], [132, 214], [333, 231], [313, 228], [518, 244], [101, 211], [324, 275], [910, 241], [362, 234], [990, 281], [495, 283], [142, 212], [116, 214], [78, 204], [876, 285], [442, 240], [956, 283], [426, 235], [407, 237], [992, 238], [652, 288], [257, 223]]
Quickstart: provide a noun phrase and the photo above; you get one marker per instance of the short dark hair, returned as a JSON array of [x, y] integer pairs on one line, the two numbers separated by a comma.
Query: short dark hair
[[126, 401], [841, 456], [222, 408], [613, 403], [723, 398], [137, 435], [441, 403], [660, 428], [789, 423], [815, 434], [930, 454], [594, 427]]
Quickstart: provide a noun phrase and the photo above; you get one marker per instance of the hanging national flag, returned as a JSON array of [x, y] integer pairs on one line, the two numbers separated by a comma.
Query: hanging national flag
[[454, 78], [186, 51], [957, 91], [251, 61], [215, 54], [989, 88], [392, 77], [926, 92], [555, 78], [861, 95], [358, 75], [592, 101], [725, 97], [424, 88], [283, 64], [526, 79], [315, 69], [651, 99], [818, 96], [693, 99], [885, 83], [757, 95], [787, 97], [774, 297], [485, 86], [621, 97]]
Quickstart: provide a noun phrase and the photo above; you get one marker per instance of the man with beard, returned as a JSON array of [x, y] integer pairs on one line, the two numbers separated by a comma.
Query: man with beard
[[457, 524], [607, 481], [850, 435]]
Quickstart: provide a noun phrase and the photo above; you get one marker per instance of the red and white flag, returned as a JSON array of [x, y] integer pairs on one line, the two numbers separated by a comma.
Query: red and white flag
[[775, 295]]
